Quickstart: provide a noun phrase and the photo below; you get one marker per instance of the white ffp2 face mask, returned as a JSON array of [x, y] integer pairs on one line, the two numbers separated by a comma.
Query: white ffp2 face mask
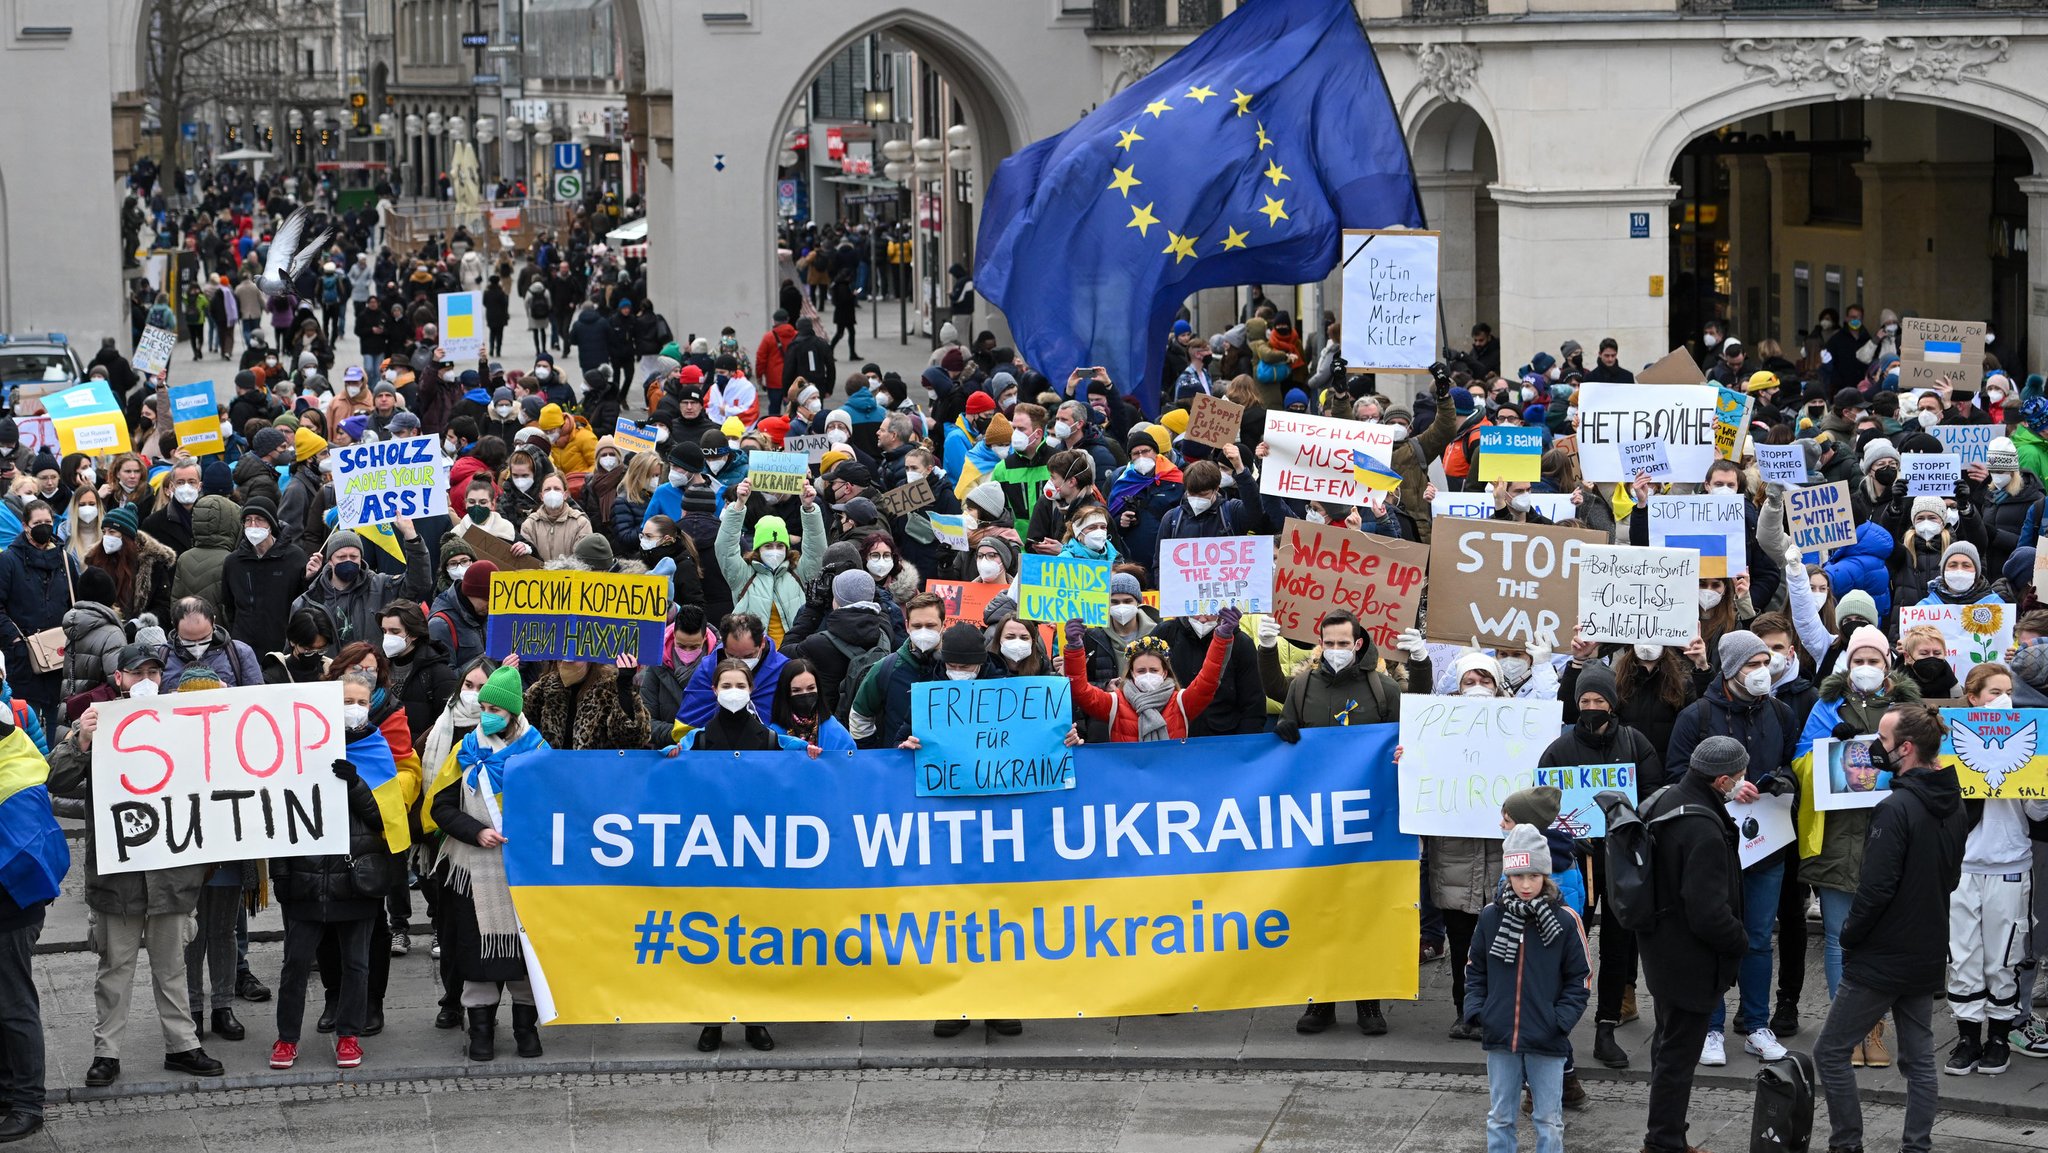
[[733, 700], [1866, 678], [1757, 681]]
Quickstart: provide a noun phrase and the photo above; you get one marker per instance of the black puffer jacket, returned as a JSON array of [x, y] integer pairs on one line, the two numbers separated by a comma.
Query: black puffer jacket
[[1690, 956], [1896, 939], [846, 634], [322, 888], [1239, 705], [425, 679]]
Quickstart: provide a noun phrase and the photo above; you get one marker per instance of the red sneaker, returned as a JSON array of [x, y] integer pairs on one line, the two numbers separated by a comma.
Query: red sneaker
[[348, 1053], [283, 1055]]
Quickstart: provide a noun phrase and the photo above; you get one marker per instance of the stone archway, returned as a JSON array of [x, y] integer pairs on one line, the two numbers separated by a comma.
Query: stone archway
[[1455, 163]]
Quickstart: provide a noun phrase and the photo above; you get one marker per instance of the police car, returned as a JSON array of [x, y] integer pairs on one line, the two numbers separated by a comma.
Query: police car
[[43, 360]]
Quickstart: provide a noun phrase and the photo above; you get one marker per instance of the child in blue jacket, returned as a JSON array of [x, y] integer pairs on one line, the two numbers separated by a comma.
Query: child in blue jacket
[[1526, 985]]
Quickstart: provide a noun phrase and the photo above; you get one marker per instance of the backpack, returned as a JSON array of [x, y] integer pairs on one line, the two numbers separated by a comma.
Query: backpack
[[1631, 883], [1272, 371], [859, 663], [1458, 454], [1297, 692]]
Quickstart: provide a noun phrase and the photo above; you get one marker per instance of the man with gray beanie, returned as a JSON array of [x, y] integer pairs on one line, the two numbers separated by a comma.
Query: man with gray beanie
[[1691, 954], [1741, 705]]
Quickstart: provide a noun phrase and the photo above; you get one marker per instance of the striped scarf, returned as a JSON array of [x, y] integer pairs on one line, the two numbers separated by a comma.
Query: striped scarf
[[1515, 916]]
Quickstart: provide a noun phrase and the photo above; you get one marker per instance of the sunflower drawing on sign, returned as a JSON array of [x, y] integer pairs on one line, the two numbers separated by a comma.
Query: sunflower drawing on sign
[[1981, 625]]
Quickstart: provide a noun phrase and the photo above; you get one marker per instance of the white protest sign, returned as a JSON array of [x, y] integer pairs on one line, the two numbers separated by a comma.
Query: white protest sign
[[1462, 756], [1930, 473], [1975, 634], [1203, 575], [222, 775], [813, 447], [153, 352], [1551, 506], [380, 482], [1781, 463], [1971, 443], [1309, 457], [462, 325], [1390, 300], [1762, 827], [1715, 525], [1646, 458], [1639, 595], [1683, 416]]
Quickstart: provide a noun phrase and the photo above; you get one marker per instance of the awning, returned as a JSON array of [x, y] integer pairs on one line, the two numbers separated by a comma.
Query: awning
[[245, 154], [865, 182], [631, 232]]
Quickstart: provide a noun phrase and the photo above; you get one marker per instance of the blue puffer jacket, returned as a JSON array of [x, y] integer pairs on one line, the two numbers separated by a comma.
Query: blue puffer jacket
[[1862, 566], [1531, 1005]]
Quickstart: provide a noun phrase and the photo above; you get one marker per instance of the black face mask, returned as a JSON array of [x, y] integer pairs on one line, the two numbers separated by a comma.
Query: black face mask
[[42, 534], [803, 706], [1932, 670], [1882, 759], [1885, 476], [1595, 722]]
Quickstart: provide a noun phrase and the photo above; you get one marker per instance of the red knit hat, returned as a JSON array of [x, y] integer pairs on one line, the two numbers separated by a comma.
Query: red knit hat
[[979, 402], [476, 579], [776, 428]]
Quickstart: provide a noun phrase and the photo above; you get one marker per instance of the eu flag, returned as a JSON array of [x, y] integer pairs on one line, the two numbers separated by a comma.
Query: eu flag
[[1239, 160]]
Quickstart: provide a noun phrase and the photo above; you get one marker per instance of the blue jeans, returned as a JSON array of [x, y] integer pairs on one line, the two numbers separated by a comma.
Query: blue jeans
[[1505, 1074], [1834, 913], [1760, 892]]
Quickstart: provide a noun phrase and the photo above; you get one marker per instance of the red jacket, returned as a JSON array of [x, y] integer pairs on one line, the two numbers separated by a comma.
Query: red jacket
[[460, 474], [768, 357], [1123, 718]]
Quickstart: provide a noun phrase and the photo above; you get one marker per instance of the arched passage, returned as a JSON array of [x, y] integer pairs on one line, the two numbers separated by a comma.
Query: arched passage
[[1455, 162], [1802, 205]]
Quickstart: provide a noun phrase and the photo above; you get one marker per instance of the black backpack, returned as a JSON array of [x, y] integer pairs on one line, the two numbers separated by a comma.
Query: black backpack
[[859, 663], [1631, 881]]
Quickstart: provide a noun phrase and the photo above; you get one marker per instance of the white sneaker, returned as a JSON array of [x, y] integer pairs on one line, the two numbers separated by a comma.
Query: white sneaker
[[1714, 1052], [1763, 1043]]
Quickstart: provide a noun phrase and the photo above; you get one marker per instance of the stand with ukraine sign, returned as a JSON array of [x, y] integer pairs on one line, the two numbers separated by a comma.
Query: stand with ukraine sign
[[755, 887]]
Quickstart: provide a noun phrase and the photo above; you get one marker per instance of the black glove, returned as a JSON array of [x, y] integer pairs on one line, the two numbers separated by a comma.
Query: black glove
[[1442, 379], [1288, 731], [1899, 489], [1844, 731], [344, 770]]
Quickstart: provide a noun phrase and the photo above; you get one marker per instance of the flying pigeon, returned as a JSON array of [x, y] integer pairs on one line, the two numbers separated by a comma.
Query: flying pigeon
[[1991, 757], [291, 253]]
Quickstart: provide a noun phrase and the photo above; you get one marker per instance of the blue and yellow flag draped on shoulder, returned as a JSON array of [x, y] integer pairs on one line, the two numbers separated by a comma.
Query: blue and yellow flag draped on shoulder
[[1239, 160], [33, 855]]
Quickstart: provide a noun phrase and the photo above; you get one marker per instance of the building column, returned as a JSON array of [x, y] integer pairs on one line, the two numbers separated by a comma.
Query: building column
[[1570, 270], [1924, 238], [1751, 257], [2036, 188], [1449, 204]]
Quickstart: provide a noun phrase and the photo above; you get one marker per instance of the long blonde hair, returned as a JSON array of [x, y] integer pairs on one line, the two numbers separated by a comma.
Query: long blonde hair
[[639, 481], [84, 539]]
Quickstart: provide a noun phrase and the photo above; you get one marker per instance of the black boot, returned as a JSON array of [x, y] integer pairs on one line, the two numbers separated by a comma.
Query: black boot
[[1606, 1049], [1371, 1021], [325, 1024], [226, 1027], [526, 1029], [1319, 1016], [449, 1017], [483, 1028]]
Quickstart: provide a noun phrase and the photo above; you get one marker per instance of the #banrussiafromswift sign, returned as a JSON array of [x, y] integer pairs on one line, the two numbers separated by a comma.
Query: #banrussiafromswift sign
[[1175, 876]]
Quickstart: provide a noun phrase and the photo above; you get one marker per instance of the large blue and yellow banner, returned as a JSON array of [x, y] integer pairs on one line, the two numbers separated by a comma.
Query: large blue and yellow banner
[[1175, 876]]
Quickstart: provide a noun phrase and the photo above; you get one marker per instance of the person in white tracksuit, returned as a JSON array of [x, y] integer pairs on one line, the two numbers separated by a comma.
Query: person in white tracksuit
[[1990, 913]]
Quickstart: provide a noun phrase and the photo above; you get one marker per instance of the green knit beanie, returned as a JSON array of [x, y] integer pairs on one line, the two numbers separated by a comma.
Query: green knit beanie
[[504, 691]]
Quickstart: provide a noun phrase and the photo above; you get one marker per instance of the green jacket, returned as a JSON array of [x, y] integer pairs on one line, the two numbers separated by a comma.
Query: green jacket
[[755, 587], [1023, 482], [1843, 831]]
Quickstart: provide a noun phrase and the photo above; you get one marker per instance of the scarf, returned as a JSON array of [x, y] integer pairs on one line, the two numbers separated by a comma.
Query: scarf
[[1515, 915], [455, 722], [485, 756], [740, 732], [1151, 720], [474, 871]]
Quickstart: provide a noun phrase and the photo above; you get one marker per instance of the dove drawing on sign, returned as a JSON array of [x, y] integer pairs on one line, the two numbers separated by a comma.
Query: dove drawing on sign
[[1991, 757], [291, 253]]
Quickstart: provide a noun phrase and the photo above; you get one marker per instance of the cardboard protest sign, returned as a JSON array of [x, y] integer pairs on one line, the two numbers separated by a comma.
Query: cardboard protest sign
[[1682, 417], [387, 479], [1844, 778], [966, 600], [814, 448], [1715, 525], [1819, 518], [1462, 756], [1551, 506], [462, 325], [632, 437], [1646, 458], [1996, 753], [1762, 827], [1577, 813], [221, 775], [564, 615], [950, 529], [88, 419], [153, 352], [987, 738], [1970, 443], [1390, 300], [1057, 589], [1309, 457], [905, 499], [778, 472], [1930, 473], [196, 418], [1639, 595], [1976, 634], [496, 549], [1200, 576], [1955, 345], [1510, 453], [1506, 582], [1320, 568], [1731, 417], [1214, 421], [1675, 367], [1781, 464]]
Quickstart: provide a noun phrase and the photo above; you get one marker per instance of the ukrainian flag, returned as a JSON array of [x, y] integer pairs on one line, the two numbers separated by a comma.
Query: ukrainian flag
[[33, 855], [1810, 822], [371, 755], [1373, 474], [376, 534]]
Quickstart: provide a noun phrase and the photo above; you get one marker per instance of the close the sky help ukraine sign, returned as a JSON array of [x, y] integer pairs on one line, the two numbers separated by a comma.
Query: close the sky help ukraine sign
[[769, 887]]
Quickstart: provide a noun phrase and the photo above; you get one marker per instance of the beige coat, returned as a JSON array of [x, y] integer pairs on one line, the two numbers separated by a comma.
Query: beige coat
[[553, 538]]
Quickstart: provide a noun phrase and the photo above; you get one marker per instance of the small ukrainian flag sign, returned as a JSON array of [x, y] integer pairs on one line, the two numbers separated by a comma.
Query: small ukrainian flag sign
[[1372, 474]]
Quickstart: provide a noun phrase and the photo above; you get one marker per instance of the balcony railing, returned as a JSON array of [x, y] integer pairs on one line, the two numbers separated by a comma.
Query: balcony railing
[[1157, 15], [1743, 7]]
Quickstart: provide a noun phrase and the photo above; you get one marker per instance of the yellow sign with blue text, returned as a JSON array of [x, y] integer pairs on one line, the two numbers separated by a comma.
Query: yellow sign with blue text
[[779, 889]]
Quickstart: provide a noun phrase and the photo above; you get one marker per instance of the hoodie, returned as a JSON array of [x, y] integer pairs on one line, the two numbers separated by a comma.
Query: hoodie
[[1894, 940]]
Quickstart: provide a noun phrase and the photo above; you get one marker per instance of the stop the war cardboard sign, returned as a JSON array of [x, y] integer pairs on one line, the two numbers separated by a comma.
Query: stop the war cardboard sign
[[223, 775], [1506, 582]]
